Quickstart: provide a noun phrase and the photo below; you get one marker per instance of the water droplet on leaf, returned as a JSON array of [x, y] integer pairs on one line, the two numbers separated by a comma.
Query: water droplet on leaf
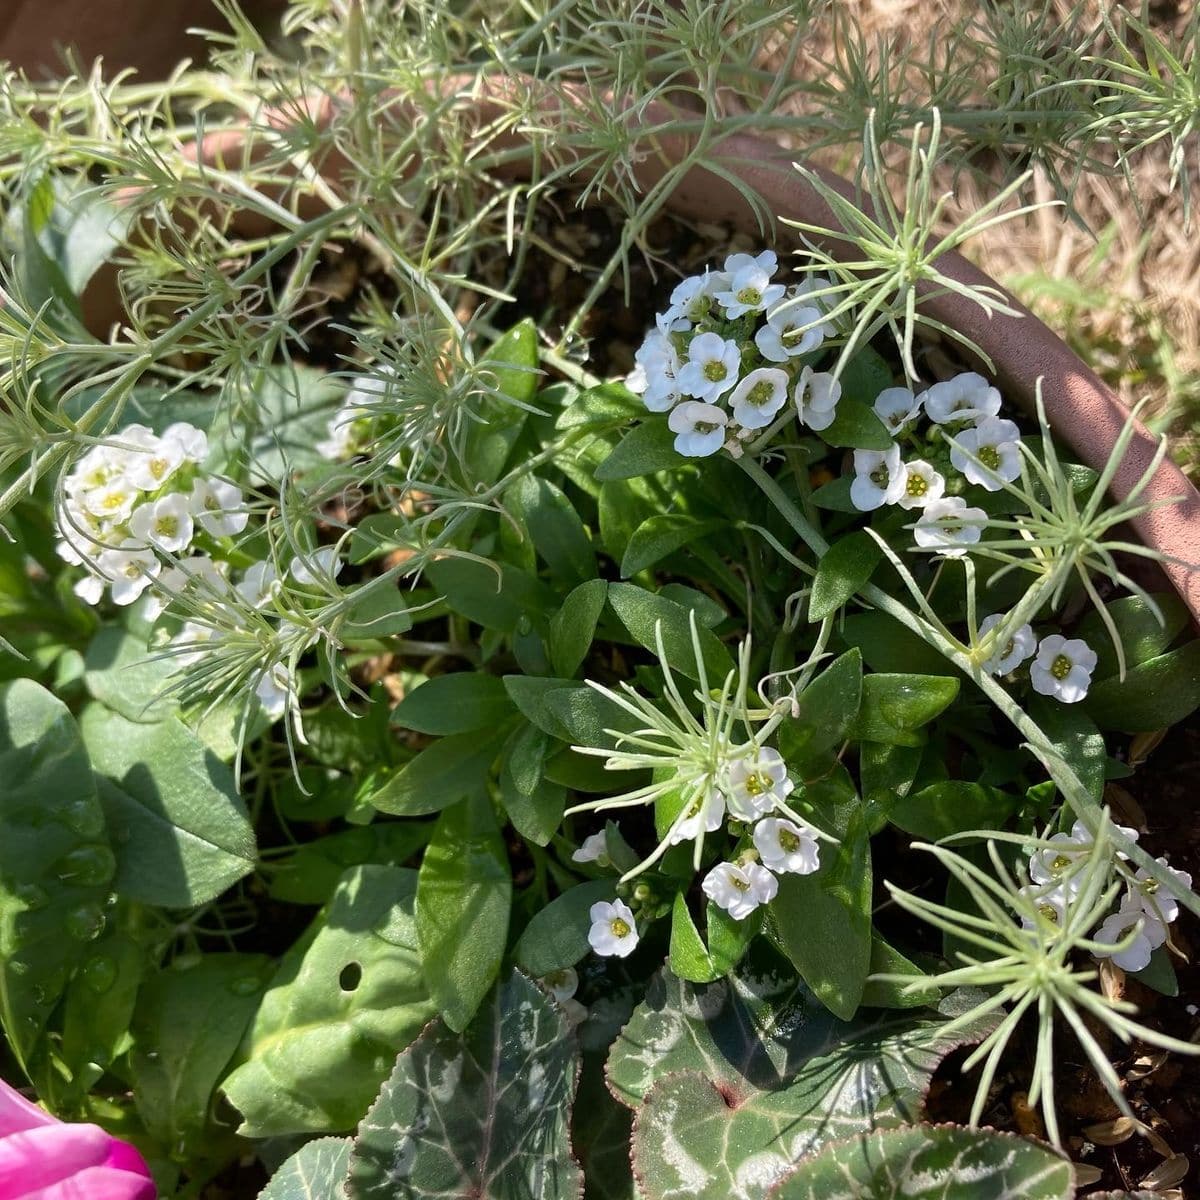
[[87, 866], [85, 922], [100, 973]]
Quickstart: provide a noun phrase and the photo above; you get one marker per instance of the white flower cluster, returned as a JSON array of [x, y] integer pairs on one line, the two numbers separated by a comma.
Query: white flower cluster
[[964, 426], [351, 429], [754, 790], [1061, 668], [727, 356], [1144, 910], [136, 509]]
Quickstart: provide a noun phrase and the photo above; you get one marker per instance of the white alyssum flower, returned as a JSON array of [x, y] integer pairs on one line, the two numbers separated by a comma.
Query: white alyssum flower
[[739, 890], [705, 815], [764, 260], [966, 397], [197, 571], [817, 394], [654, 378], [1049, 903], [1117, 927], [594, 849], [129, 568], [750, 290], [112, 501], [700, 428], [259, 585], [949, 526], [1020, 646], [192, 638], [988, 453], [758, 397], [165, 523], [897, 408], [154, 461], [879, 478], [274, 690], [348, 428], [691, 300], [90, 589], [1063, 668], [711, 368], [1057, 863], [217, 505], [80, 533], [318, 565], [613, 931], [756, 783], [792, 329], [922, 485], [191, 441], [786, 847], [1146, 892]]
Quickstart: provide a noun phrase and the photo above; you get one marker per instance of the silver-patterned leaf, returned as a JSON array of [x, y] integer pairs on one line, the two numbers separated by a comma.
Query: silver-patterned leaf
[[481, 1113], [740, 1079], [932, 1162], [317, 1171]]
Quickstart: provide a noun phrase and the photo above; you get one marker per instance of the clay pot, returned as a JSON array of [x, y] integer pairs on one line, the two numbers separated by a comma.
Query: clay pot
[[1081, 408]]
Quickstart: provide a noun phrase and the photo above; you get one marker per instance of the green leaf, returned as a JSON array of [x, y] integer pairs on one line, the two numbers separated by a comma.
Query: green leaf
[[609, 404], [317, 1171], [184, 835], [447, 771], [495, 600], [345, 1000], [573, 627], [532, 696], [842, 570], [734, 1081], [646, 448], [481, 1114], [887, 645], [865, 376], [463, 902], [894, 707], [375, 613], [879, 993], [458, 703], [554, 527], [834, 496], [932, 1162], [1142, 636], [533, 803], [513, 361], [56, 867], [586, 714], [1074, 735], [688, 957], [642, 612], [186, 1027], [120, 672], [827, 708], [557, 937], [856, 425], [660, 535], [952, 806], [823, 921], [1155, 694]]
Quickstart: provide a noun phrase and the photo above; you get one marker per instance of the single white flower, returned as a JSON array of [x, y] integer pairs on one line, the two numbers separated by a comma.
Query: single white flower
[[93, 470], [129, 568], [756, 782], [817, 394], [966, 397], [711, 368], [321, 564], [922, 485], [765, 260], [594, 849], [149, 467], [1152, 898], [193, 636], [259, 585], [691, 301], [1050, 904], [1063, 668], [199, 569], [654, 377], [1057, 863], [948, 527], [165, 523], [750, 290], [613, 931], [344, 434], [896, 407], [217, 505], [1115, 928], [274, 690], [704, 815], [758, 397], [700, 428], [112, 501], [879, 478], [739, 890], [791, 330], [784, 846], [989, 453], [191, 441], [1020, 646], [80, 533], [90, 589], [562, 984]]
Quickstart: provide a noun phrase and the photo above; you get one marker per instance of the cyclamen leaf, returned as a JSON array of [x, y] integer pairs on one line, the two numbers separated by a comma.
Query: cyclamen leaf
[[346, 998], [932, 1162], [738, 1080], [482, 1113], [317, 1171], [56, 867]]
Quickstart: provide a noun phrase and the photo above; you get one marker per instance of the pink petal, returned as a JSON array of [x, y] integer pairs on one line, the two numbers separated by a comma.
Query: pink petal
[[97, 1183], [36, 1158], [17, 1113]]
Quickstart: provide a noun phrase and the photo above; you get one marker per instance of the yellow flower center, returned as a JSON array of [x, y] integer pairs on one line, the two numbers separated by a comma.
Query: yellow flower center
[[714, 371], [749, 296], [1060, 668], [619, 927], [1049, 912], [757, 784], [989, 456], [1061, 863], [917, 485], [740, 884], [879, 476], [788, 841], [760, 394], [166, 526]]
